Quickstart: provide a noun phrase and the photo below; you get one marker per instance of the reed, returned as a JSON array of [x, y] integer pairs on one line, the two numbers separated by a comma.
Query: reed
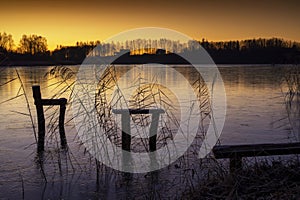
[[183, 175], [266, 177], [291, 92], [146, 96]]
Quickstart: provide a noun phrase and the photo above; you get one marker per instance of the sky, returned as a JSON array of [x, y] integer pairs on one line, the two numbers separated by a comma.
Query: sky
[[64, 22]]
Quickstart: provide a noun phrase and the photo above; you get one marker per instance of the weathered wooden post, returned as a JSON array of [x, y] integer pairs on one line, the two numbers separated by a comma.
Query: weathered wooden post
[[62, 110], [126, 136], [235, 164], [125, 120], [39, 103], [153, 130], [40, 115]]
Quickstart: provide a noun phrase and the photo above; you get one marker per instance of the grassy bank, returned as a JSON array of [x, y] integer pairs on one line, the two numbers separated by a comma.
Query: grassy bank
[[277, 179]]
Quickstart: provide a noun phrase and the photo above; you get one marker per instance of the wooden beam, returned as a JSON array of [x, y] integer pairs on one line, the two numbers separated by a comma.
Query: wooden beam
[[254, 150], [53, 102], [237, 152], [138, 111]]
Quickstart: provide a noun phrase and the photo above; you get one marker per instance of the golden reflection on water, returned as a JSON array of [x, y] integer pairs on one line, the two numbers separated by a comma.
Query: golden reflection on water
[[253, 95], [254, 102]]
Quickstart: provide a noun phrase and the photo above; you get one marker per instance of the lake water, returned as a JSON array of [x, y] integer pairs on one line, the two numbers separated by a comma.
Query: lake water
[[256, 113]]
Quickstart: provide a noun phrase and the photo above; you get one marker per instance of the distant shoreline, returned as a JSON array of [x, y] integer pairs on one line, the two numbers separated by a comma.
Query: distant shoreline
[[251, 51], [36, 63], [127, 59]]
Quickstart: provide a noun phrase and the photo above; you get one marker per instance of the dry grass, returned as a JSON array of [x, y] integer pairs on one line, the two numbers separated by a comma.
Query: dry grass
[[265, 179], [262, 180]]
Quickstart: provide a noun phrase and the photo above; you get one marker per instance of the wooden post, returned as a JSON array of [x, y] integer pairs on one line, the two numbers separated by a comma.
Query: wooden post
[[153, 131], [237, 152], [235, 164], [39, 103], [62, 110], [125, 120], [126, 136], [40, 116]]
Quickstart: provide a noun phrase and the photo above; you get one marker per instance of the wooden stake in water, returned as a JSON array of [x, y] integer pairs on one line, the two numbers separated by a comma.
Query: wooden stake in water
[[39, 103], [40, 115], [125, 119]]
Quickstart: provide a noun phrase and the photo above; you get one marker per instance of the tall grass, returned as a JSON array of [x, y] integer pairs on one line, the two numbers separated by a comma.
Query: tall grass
[[264, 177], [146, 96], [149, 94], [291, 92], [180, 176]]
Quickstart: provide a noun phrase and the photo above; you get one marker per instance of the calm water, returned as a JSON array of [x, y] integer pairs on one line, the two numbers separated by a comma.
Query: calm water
[[255, 107]]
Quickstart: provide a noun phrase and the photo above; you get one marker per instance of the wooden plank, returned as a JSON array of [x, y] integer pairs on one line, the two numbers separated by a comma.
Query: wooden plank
[[138, 111], [237, 152], [254, 150], [50, 102]]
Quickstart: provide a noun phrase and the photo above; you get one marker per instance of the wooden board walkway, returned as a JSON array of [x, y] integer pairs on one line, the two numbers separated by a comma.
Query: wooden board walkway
[[236, 152]]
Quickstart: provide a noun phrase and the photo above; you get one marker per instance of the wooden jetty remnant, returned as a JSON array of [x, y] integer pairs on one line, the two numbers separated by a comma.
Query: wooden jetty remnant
[[125, 120], [236, 152], [39, 103]]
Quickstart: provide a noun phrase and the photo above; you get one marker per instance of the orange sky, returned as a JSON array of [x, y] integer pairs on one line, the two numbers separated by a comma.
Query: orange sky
[[65, 22]]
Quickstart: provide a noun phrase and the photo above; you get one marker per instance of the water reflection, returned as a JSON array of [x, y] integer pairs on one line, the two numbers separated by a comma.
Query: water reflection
[[254, 100]]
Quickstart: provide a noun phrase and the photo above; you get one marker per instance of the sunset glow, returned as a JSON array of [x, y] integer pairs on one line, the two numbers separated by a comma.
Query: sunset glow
[[65, 22]]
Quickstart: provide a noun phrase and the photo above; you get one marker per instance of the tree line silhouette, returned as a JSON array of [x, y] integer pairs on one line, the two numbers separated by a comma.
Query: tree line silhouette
[[33, 49]]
